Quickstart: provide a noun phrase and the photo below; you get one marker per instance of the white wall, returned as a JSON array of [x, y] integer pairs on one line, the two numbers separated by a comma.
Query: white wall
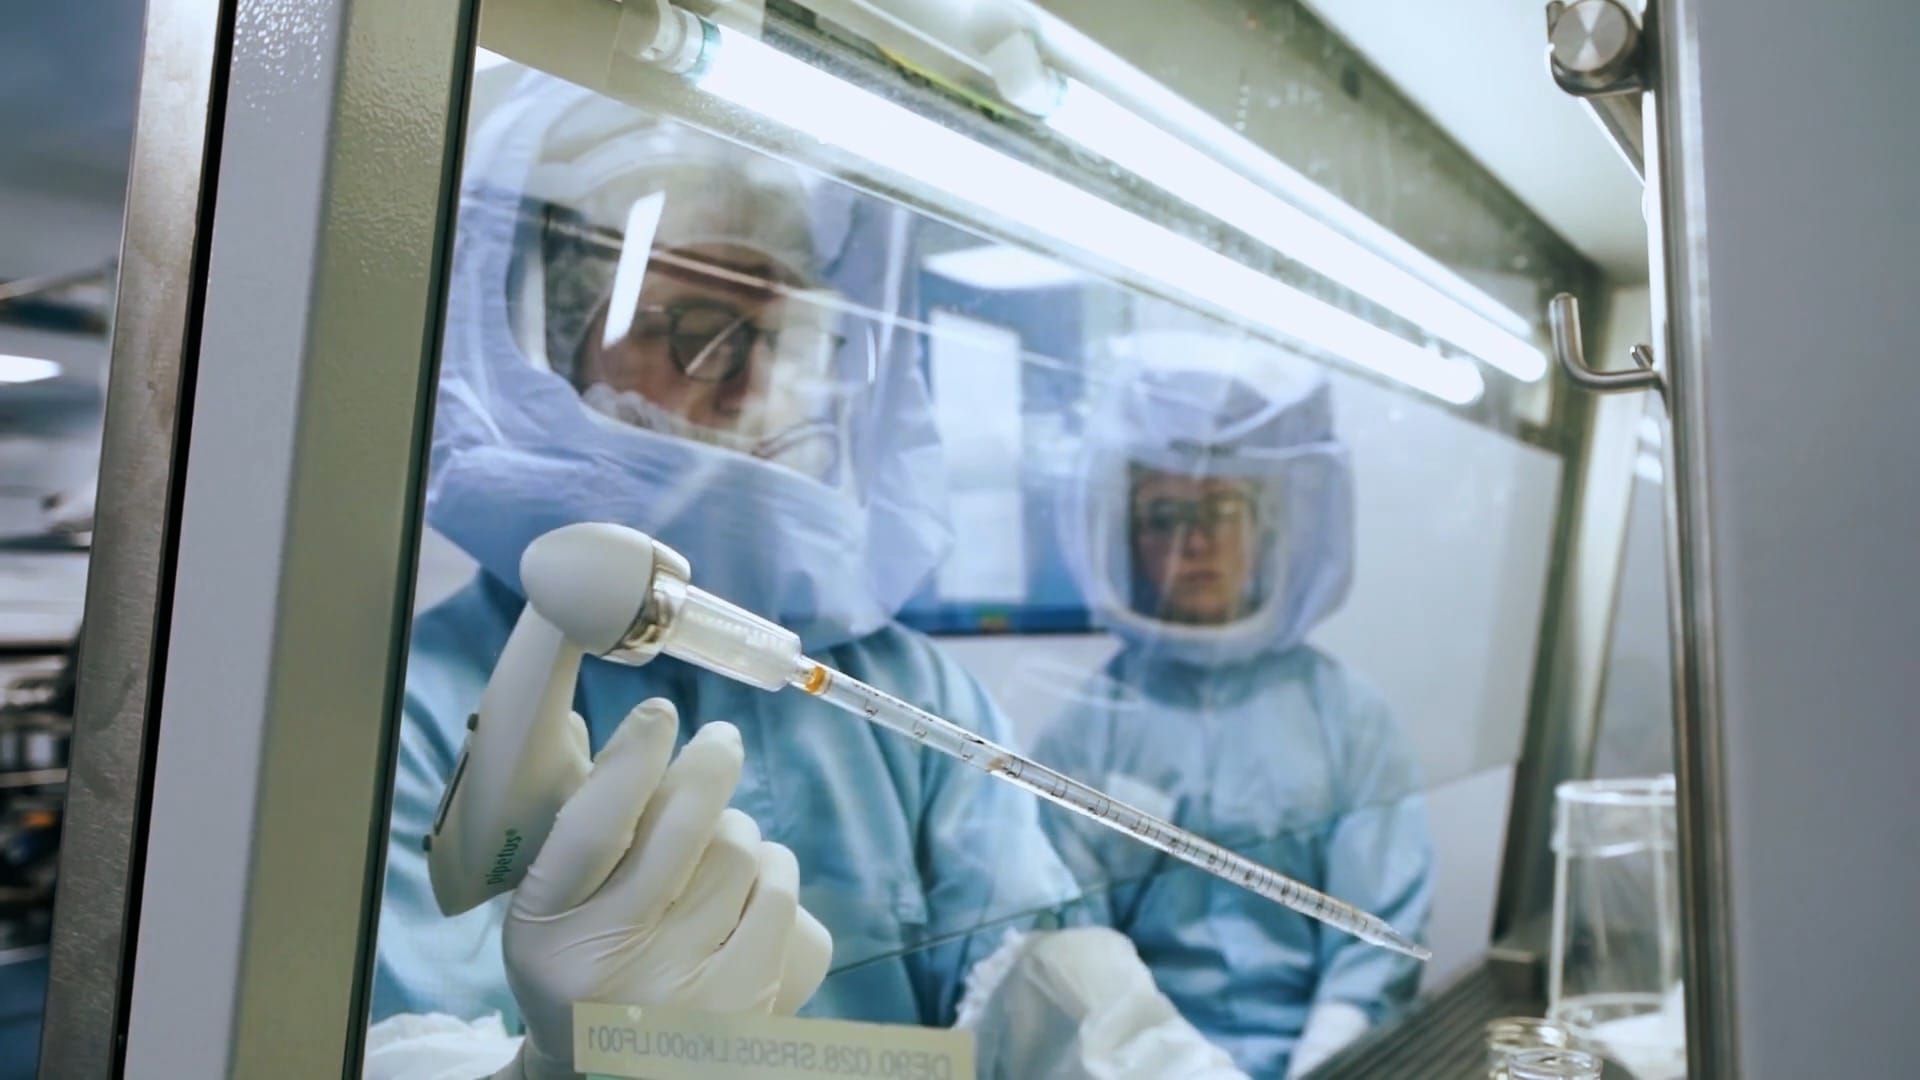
[[1635, 732], [1455, 529], [1635, 736], [1468, 817]]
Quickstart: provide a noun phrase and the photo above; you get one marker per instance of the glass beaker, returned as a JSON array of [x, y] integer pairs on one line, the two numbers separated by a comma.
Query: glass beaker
[[1553, 1065], [1614, 967], [1512, 1035]]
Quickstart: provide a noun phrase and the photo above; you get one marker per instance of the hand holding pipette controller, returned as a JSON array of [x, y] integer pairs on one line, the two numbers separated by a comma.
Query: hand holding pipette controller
[[617, 593]]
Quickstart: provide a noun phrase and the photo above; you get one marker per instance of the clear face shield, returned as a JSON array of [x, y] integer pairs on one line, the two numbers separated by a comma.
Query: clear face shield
[[686, 325], [1214, 516], [1200, 550]]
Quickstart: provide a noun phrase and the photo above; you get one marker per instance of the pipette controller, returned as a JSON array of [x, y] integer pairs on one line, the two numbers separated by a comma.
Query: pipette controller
[[610, 591]]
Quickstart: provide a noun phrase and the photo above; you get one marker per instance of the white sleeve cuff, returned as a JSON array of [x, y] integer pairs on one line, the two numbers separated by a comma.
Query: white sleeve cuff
[[984, 979], [1080, 1005], [1331, 1025], [436, 1046]]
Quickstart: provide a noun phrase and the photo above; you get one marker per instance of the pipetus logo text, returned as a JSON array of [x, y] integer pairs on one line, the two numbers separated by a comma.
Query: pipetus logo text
[[503, 859]]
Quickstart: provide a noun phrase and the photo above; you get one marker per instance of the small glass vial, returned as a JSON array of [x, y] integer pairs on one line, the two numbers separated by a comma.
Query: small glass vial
[[1510, 1035], [1553, 1065]]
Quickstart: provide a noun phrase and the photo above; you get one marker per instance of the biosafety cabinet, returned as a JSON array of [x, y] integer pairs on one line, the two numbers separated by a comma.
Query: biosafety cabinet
[[387, 304]]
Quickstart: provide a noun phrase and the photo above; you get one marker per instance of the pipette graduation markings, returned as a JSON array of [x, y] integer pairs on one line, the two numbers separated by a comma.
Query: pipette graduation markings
[[606, 590], [995, 760]]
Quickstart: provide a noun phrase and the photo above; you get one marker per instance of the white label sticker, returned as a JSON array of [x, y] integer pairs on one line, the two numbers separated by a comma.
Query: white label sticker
[[680, 1044]]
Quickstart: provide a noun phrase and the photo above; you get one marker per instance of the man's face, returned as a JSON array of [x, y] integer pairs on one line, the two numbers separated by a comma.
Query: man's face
[[1194, 540], [699, 345]]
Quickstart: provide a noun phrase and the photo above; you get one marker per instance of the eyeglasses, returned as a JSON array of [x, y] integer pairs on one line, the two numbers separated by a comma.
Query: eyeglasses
[[1164, 519], [713, 341]]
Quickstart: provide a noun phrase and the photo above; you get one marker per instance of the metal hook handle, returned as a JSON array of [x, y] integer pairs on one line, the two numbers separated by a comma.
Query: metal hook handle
[[1563, 315]]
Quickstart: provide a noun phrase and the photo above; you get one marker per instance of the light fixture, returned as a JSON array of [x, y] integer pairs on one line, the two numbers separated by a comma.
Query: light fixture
[[26, 369], [1002, 267], [789, 92], [1484, 329]]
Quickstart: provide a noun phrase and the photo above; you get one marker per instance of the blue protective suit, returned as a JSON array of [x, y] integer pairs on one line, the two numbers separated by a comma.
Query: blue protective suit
[[897, 847], [902, 853], [1294, 762], [1239, 731]]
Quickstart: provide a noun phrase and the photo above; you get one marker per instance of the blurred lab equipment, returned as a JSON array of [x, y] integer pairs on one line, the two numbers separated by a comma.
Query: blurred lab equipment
[[1512, 1035], [1553, 1065], [36, 725], [1613, 973]]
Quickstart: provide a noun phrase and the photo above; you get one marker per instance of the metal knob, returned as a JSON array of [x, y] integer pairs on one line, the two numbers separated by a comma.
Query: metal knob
[[1594, 42], [1596, 52]]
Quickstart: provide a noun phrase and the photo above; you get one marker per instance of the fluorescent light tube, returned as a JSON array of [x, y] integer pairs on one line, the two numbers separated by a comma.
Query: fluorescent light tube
[[1002, 266], [26, 369], [787, 91], [1134, 143]]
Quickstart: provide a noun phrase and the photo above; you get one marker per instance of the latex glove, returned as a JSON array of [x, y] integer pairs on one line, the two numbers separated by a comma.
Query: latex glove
[[1079, 1004], [1330, 1026], [651, 891]]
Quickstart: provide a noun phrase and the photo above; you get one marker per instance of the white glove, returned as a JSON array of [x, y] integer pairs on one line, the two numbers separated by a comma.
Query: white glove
[[651, 891], [1330, 1026], [1080, 1005]]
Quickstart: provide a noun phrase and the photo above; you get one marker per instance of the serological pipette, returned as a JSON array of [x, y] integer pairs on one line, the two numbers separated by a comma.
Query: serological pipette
[[610, 591], [1023, 772]]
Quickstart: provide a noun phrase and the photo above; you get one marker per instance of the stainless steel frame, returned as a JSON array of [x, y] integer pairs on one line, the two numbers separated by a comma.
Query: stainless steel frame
[[1679, 297], [1788, 272], [1671, 161], [338, 125], [316, 298], [155, 337]]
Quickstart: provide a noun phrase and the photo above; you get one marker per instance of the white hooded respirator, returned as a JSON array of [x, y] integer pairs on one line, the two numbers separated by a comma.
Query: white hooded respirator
[[767, 361], [652, 326], [1210, 407]]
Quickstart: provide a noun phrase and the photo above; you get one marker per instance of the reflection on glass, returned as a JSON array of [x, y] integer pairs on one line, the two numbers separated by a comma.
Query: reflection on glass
[[651, 326], [863, 424], [770, 84], [1211, 527]]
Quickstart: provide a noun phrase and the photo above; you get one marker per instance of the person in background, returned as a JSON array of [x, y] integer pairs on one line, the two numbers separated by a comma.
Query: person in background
[[653, 327], [1211, 529]]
